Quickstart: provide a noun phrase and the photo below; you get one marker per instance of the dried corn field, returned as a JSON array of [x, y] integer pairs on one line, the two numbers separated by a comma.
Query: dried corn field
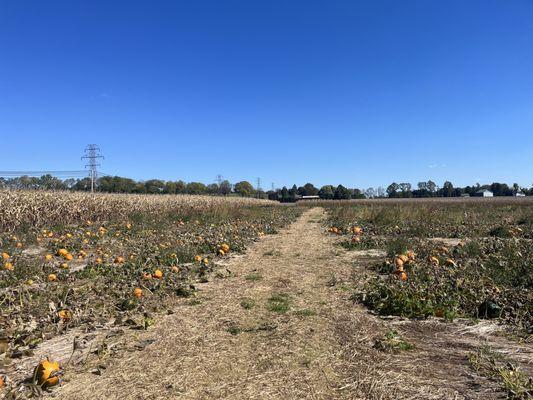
[[35, 209]]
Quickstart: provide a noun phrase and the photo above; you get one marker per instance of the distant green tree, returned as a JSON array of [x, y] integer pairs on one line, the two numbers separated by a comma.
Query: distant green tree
[[244, 188], [327, 192], [225, 188], [447, 189], [392, 190], [154, 186], [170, 187], [181, 187], [196, 188], [212, 188], [342, 193]]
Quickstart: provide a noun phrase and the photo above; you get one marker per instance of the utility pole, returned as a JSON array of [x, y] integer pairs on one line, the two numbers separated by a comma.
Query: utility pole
[[272, 187], [92, 154], [258, 189]]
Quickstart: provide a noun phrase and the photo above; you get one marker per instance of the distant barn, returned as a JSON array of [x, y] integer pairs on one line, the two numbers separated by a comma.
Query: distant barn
[[484, 193], [309, 198]]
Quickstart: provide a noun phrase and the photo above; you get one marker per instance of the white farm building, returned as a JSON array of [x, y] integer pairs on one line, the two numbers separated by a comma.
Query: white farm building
[[484, 193]]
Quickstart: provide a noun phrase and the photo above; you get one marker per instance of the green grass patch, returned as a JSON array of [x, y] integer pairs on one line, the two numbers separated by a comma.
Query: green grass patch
[[279, 303], [254, 277]]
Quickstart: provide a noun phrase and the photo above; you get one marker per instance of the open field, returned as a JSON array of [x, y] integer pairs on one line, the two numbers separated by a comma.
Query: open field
[[206, 297]]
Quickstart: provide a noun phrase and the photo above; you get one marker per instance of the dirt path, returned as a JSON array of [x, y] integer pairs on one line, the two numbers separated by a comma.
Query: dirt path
[[281, 325]]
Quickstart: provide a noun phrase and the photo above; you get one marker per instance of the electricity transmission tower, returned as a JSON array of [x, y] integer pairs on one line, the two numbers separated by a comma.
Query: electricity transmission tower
[[219, 179], [92, 154]]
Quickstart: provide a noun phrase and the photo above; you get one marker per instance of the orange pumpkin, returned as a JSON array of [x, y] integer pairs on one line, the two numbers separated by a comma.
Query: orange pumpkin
[[119, 260], [9, 266], [52, 278], [5, 256], [198, 258], [138, 292], [147, 275], [403, 276], [224, 247], [47, 373], [357, 230], [65, 315], [158, 274], [399, 262], [48, 257], [62, 252]]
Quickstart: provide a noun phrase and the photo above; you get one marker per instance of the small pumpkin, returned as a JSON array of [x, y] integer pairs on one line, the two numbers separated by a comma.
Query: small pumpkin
[[47, 373], [119, 260], [52, 278], [48, 257], [158, 274], [9, 266], [62, 252], [198, 258], [398, 262], [137, 292], [5, 256], [403, 276], [65, 315], [224, 247], [434, 260], [450, 262]]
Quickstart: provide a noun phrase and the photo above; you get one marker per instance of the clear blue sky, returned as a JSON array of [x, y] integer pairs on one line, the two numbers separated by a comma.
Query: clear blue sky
[[351, 92]]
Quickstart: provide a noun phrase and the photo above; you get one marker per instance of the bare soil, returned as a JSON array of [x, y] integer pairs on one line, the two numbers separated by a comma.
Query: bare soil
[[279, 324]]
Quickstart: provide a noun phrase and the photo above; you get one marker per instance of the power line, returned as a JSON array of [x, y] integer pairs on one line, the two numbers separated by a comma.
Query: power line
[[92, 154]]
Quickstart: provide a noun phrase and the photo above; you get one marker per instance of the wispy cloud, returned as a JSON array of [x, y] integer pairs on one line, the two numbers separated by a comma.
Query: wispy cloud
[[432, 166]]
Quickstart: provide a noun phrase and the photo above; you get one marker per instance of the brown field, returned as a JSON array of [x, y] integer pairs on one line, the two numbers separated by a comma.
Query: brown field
[[258, 300]]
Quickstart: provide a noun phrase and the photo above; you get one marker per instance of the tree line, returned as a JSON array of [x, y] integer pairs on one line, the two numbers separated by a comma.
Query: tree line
[[117, 184]]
